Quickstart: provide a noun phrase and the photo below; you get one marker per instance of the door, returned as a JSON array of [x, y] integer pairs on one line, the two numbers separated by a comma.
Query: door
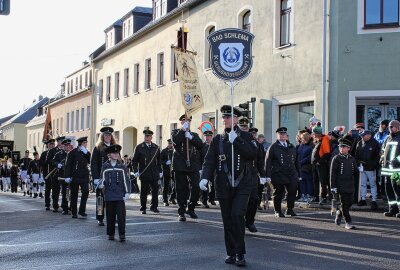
[[375, 114]]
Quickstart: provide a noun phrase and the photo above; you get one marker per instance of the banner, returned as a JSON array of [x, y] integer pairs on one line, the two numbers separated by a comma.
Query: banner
[[6, 148], [48, 131], [192, 99]]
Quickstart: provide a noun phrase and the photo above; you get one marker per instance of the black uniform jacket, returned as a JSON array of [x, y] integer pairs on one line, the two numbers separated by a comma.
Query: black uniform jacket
[[5, 171], [114, 181], [180, 152], [245, 152], [259, 161], [49, 158], [343, 171], [76, 165], [99, 156], [34, 167], [146, 161], [43, 164], [166, 154], [281, 163], [60, 157], [24, 164]]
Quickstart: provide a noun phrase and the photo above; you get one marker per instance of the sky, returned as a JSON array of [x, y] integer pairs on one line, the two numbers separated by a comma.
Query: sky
[[43, 41]]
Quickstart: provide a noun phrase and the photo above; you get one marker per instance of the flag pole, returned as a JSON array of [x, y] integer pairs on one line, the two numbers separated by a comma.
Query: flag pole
[[232, 129]]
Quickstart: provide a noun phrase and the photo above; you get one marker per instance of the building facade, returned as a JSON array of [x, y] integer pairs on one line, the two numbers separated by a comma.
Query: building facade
[[137, 88]]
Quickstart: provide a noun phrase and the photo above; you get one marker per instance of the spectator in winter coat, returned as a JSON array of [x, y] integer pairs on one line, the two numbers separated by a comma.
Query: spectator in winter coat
[[383, 132], [304, 152]]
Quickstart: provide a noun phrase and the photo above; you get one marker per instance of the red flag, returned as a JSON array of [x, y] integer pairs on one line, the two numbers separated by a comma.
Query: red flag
[[48, 131]]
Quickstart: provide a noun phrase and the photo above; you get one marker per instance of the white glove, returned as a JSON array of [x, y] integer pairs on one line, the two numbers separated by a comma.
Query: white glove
[[268, 180], [185, 126], [188, 135], [200, 172], [263, 180], [126, 197], [67, 180], [59, 165], [203, 184], [136, 174], [361, 168], [168, 162], [83, 149], [334, 190], [161, 174], [96, 181], [232, 136], [300, 179], [101, 186]]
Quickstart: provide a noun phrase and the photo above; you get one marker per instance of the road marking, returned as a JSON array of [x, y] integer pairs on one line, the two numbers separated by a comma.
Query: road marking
[[15, 231], [25, 210], [154, 222]]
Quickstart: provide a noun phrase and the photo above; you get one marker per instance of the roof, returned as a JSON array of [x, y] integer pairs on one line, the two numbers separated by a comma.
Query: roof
[[5, 119], [146, 11], [37, 120], [118, 23], [150, 26], [28, 114]]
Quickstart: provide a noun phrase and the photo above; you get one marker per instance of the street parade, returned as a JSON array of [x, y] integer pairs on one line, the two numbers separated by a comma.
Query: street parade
[[204, 134]]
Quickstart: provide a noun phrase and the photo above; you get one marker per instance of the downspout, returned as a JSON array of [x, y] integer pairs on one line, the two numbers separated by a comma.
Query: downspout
[[93, 107], [323, 117]]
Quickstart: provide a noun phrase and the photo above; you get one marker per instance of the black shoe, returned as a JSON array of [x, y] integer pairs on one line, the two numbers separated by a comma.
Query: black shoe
[[213, 203], [374, 206], [24, 193], [182, 218], [83, 214], [74, 216], [279, 214], [172, 201], [64, 213], [192, 214], [290, 212], [155, 210], [338, 218], [143, 212], [230, 259], [35, 196], [252, 228], [166, 204], [205, 205], [362, 203], [398, 215], [122, 238], [111, 237], [40, 195], [30, 195], [55, 211], [100, 223], [239, 260], [389, 214], [47, 208]]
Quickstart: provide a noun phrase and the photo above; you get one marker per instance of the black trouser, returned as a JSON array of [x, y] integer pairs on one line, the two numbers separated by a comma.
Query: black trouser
[[55, 187], [83, 183], [116, 211], [47, 192], [323, 171], [279, 190], [144, 191], [209, 194], [393, 195], [233, 211], [184, 192], [252, 205], [346, 202], [1, 184], [134, 185], [14, 185], [356, 184], [100, 218], [64, 199], [260, 191], [168, 188], [315, 175]]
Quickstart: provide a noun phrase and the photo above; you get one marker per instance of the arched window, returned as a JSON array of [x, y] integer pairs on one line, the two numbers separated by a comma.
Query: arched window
[[246, 21], [207, 60]]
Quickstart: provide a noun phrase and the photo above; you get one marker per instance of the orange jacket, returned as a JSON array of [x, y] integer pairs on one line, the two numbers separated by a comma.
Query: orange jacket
[[325, 146]]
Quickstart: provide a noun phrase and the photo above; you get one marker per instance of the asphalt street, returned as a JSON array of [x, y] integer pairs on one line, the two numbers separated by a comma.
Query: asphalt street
[[32, 238]]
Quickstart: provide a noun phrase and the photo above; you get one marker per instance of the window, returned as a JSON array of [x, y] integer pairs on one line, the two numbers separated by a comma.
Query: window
[[77, 120], [67, 123], [174, 70], [116, 87], [160, 69], [90, 78], [147, 84], [159, 136], [88, 117], [136, 78], [68, 87], [72, 86], [160, 7], [381, 13], [72, 121], [76, 84], [126, 82], [173, 126], [86, 79], [62, 125], [182, 1], [58, 127], [286, 8], [246, 21], [82, 118], [207, 59], [80, 81], [116, 136], [108, 91], [101, 91]]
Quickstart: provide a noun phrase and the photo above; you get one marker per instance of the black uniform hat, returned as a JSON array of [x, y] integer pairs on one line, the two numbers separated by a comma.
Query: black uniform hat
[[51, 141], [66, 141], [334, 133], [226, 110], [345, 143], [107, 130], [183, 117], [253, 130], [82, 139], [208, 133], [281, 130], [366, 132], [60, 138], [243, 121], [26, 151], [35, 153], [147, 132], [115, 148], [169, 141]]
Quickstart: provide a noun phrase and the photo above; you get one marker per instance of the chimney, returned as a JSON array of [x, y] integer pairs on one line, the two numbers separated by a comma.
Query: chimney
[[84, 63], [40, 97]]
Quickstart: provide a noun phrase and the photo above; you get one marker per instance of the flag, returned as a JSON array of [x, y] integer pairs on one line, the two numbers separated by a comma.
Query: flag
[[192, 99], [48, 130]]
